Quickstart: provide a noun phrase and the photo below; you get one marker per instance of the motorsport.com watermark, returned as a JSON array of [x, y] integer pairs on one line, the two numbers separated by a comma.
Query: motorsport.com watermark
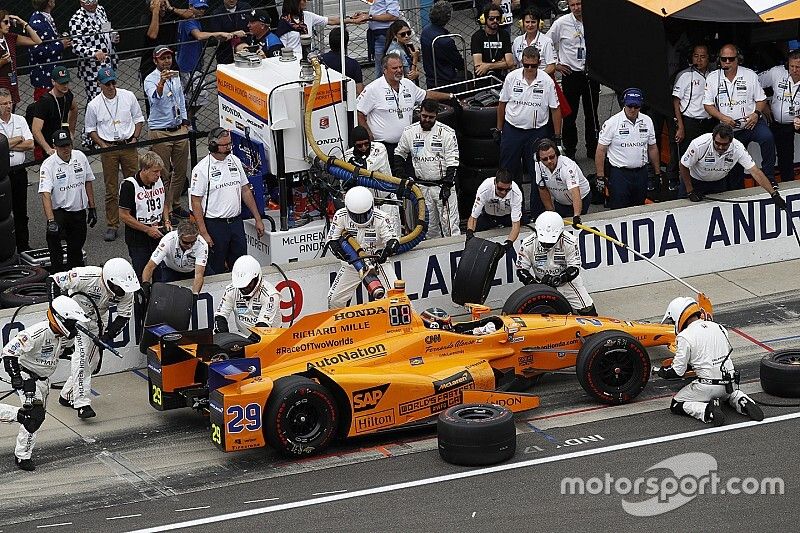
[[692, 474]]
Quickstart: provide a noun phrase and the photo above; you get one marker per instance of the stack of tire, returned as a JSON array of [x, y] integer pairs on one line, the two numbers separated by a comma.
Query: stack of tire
[[479, 154]]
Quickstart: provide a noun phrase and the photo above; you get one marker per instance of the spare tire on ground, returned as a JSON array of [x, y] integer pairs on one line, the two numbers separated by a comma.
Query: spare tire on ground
[[24, 294], [18, 275], [536, 299], [780, 373], [476, 434], [169, 304], [475, 271]]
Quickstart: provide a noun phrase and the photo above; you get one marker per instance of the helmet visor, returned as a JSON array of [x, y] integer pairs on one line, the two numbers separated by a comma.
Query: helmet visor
[[118, 291], [250, 288], [360, 218]]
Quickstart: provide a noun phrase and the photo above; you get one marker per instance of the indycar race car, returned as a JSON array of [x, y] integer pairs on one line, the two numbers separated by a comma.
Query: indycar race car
[[375, 367]]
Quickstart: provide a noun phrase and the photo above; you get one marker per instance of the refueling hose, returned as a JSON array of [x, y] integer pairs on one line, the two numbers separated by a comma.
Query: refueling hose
[[342, 170]]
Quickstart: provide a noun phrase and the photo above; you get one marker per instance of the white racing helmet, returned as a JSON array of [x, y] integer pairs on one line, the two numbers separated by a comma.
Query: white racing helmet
[[64, 313], [359, 202], [679, 311], [246, 275], [549, 227], [119, 277]]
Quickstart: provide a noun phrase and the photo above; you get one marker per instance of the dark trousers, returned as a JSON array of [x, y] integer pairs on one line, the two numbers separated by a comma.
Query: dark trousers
[[692, 129], [140, 253], [763, 136], [709, 187], [169, 275], [518, 145], [784, 145], [577, 86], [628, 187], [487, 221], [19, 206], [73, 230], [229, 242], [566, 210]]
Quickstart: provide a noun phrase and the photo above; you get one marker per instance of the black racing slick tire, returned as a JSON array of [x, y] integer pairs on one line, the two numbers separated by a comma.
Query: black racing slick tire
[[477, 122], [613, 367], [536, 299], [475, 272], [24, 294], [169, 304], [780, 373], [300, 417], [17, 275], [477, 152], [476, 434]]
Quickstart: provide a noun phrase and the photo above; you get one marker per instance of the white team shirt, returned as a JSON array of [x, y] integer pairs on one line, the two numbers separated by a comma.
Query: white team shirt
[[736, 98], [372, 236], [486, 199], [262, 307], [149, 201], [539, 260], [705, 164], [292, 38], [784, 102], [377, 159], [115, 119], [568, 38], [170, 252], [89, 280], [389, 112], [528, 105], [66, 180], [431, 151], [16, 127], [627, 141], [704, 345], [37, 348], [227, 177], [566, 176], [547, 54], [690, 89]]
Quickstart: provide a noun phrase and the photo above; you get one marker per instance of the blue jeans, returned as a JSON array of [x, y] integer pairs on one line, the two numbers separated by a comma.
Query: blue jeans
[[763, 136], [627, 187], [380, 48]]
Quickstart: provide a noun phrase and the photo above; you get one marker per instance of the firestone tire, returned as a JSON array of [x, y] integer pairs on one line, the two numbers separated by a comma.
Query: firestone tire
[[780, 373], [24, 294], [300, 417], [18, 275], [536, 299], [613, 367], [476, 434]]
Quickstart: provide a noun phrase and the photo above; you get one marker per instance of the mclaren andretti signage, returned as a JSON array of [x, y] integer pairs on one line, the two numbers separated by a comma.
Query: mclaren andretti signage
[[368, 352]]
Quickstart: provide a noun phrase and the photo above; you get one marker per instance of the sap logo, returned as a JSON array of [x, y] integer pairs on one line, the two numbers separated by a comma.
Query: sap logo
[[431, 339], [525, 360], [366, 399], [231, 110]]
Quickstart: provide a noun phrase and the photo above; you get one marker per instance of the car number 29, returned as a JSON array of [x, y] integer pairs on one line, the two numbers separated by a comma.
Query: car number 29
[[400, 315], [247, 417]]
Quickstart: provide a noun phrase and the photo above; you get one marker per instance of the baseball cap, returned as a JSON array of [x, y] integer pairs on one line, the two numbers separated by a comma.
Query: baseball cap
[[106, 75], [60, 75], [260, 15], [161, 50], [198, 3], [61, 138], [633, 96]]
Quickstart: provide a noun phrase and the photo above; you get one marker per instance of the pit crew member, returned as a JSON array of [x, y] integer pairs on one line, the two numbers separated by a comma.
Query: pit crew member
[[704, 345], [184, 253], [562, 186], [30, 359], [374, 232], [112, 284], [434, 153], [252, 300], [551, 257], [498, 202]]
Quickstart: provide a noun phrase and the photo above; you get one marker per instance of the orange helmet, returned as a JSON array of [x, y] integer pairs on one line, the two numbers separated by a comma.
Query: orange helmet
[[680, 310]]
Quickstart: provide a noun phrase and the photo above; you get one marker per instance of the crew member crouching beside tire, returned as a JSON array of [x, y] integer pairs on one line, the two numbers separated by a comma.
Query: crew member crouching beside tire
[[253, 301], [498, 203], [184, 253], [555, 260]]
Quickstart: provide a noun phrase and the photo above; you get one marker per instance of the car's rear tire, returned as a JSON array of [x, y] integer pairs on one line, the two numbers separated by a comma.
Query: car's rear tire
[[476, 434], [536, 299], [300, 417], [613, 367], [780, 373]]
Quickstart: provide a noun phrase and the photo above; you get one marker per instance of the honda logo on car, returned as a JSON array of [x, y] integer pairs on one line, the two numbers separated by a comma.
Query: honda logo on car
[[359, 312], [365, 399]]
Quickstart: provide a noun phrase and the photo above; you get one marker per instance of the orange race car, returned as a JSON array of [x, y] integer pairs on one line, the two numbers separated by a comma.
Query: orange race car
[[377, 366]]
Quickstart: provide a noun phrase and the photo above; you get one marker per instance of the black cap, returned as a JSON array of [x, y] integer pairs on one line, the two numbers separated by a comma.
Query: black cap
[[62, 138], [260, 15]]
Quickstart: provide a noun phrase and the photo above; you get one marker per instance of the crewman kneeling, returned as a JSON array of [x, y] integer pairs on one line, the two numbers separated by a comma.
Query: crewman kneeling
[[252, 300]]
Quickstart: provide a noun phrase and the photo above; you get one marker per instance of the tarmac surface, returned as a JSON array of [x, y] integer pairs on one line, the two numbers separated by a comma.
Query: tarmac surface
[[134, 468]]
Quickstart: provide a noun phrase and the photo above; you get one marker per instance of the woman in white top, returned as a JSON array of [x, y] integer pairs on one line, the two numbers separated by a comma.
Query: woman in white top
[[533, 37], [296, 21], [399, 38]]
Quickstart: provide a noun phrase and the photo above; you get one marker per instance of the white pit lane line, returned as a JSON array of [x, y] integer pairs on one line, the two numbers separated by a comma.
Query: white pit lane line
[[463, 475]]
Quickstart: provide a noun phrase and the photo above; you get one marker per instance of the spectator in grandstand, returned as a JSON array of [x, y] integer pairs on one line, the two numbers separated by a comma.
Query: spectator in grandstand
[[333, 58], [114, 118], [92, 41], [296, 21], [258, 25], [232, 17], [783, 81], [161, 21], [55, 110], [449, 65], [43, 57], [533, 37], [20, 140], [399, 38], [184, 254], [491, 46], [9, 41], [381, 15]]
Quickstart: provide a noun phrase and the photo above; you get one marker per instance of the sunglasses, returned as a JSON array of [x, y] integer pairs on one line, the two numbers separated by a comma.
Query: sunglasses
[[6, 22], [110, 83], [727, 59], [530, 65], [493, 18], [633, 106], [404, 33], [361, 143], [547, 158], [502, 189], [188, 243]]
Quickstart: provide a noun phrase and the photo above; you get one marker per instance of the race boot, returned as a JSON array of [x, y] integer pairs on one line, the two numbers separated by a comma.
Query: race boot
[[24, 464], [86, 412], [751, 409], [714, 413], [63, 401]]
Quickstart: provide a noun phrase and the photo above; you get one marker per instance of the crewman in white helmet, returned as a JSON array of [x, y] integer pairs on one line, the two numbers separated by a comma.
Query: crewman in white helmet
[[253, 301], [551, 257]]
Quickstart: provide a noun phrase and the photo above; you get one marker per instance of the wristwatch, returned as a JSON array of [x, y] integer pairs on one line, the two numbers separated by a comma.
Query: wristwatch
[[758, 113]]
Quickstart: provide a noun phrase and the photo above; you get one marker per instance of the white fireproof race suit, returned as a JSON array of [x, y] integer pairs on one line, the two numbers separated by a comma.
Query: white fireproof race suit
[[262, 307], [539, 260], [378, 161]]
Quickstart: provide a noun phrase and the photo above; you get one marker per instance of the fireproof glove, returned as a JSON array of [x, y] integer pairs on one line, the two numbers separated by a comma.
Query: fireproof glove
[[470, 234], [779, 201], [575, 221], [53, 229], [695, 196]]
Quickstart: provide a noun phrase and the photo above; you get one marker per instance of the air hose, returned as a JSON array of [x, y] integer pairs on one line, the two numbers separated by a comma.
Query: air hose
[[344, 171]]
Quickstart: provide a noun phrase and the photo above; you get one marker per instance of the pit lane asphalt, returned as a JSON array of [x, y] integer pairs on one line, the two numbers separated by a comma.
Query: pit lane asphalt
[[159, 468]]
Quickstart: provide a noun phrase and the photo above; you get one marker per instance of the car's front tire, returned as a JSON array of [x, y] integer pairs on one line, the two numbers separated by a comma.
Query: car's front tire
[[613, 367]]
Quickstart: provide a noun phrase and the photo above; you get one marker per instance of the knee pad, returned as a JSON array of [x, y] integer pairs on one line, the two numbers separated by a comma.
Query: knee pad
[[587, 311], [677, 408]]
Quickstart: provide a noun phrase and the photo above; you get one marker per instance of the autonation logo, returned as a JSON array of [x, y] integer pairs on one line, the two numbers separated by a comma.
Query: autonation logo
[[690, 475]]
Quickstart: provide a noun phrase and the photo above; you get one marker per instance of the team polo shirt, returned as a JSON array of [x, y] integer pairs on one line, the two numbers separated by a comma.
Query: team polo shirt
[[66, 181], [389, 112], [486, 200], [219, 186], [114, 119], [547, 54], [568, 38], [145, 203], [690, 89], [176, 258], [627, 141], [736, 98], [528, 105], [784, 102], [16, 127], [706, 164], [567, 175]]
